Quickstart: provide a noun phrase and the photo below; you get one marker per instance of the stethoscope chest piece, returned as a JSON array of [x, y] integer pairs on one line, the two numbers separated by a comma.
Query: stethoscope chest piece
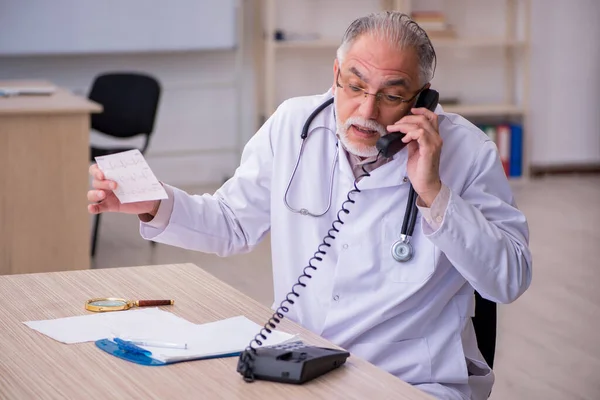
[[402, 250]]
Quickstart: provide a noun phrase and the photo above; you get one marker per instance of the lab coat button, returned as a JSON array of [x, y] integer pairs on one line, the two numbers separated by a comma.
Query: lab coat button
[[345, 246], [336, 297], [438, 219], [405, 179]]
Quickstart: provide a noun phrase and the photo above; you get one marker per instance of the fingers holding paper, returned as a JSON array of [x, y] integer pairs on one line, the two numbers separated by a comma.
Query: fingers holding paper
[[103, 201], [100, 181], [101, 196], [135, 197]]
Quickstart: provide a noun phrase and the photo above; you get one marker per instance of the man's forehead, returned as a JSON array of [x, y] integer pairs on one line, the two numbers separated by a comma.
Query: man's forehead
[[374, 58], [384, 77]]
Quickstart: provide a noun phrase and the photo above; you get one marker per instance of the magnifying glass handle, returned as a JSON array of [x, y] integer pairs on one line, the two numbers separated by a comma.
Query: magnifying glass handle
[[153, 303]]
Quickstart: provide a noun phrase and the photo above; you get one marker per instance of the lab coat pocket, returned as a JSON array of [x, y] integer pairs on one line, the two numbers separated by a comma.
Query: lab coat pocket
[[422, 264], [407, 359], [479, 375]]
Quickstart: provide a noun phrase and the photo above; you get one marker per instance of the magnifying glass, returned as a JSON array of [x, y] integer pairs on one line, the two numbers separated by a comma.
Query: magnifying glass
[[102, 304]]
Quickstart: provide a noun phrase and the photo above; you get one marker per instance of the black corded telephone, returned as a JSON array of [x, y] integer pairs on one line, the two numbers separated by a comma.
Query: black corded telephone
[[390, 144], [295, 362]]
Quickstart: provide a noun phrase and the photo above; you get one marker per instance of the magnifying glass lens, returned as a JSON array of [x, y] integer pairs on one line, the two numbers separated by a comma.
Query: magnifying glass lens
[[108, 303]]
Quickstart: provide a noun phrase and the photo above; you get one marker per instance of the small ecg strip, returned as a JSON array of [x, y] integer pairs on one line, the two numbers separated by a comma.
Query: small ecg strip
[[135, 180]]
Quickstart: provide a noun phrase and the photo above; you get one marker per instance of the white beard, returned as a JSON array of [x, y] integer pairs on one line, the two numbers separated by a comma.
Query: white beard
[[359, 149]]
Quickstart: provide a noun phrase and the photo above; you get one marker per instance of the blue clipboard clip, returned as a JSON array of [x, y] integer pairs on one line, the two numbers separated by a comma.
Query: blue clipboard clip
[[130, 347], [128, 351]]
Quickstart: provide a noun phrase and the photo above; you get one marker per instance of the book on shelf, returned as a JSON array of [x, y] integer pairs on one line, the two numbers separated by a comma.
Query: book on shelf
[[508, 138]]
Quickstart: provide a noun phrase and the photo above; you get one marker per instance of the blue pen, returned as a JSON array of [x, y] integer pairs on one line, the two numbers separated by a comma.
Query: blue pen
[[130, 347]]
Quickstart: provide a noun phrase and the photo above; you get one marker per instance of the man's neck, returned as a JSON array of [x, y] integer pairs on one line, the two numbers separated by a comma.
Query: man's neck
[[358, 162]]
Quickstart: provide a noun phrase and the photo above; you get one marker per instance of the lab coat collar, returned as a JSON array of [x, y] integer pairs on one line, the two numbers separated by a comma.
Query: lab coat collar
[[388, 175]]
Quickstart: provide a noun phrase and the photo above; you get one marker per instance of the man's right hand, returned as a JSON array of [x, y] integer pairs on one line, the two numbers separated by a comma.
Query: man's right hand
[[103, 198]]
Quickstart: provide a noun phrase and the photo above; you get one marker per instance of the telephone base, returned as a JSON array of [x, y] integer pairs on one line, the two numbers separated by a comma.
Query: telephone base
[[290, 363]]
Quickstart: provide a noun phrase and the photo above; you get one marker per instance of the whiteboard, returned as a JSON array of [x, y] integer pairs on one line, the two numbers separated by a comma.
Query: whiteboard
[[105, 26]]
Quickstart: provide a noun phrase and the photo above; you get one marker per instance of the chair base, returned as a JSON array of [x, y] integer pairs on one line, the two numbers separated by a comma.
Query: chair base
[[95, 234]]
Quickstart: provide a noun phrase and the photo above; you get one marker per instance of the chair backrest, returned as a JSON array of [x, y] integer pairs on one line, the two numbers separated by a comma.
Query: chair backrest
[[485, 325], [130, 103]]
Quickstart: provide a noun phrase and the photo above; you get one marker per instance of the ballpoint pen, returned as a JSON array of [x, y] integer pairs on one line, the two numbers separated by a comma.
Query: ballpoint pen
[[153, 343]]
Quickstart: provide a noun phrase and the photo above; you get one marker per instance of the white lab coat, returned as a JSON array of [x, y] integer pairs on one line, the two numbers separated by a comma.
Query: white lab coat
[[411, 319]]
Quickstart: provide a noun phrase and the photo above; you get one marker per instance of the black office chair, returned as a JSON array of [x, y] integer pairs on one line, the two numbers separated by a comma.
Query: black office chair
[[130, 103], [485, 325]]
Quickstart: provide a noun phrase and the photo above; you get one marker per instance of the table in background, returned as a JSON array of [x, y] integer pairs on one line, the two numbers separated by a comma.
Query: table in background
[[34, 366], [44, 161]]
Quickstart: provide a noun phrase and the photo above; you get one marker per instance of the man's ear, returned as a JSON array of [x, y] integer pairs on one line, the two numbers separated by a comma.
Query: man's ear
[[336, 67]]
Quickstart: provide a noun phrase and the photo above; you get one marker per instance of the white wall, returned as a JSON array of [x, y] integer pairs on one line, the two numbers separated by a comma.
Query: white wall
[[565, 82], [112, 26], [301, 72], [197, 133]]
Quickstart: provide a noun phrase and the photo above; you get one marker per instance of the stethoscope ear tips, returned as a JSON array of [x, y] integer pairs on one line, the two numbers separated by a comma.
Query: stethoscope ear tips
[[402, 251]]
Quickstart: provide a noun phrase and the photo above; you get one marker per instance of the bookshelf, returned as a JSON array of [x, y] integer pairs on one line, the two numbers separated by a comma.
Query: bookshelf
[[488, 30], [483, 110], [452, 43]]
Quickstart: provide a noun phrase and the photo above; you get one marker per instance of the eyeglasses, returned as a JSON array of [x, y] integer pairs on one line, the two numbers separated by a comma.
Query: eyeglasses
[[387, 100]]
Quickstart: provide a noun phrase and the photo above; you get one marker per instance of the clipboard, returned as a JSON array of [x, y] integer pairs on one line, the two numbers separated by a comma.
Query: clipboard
[[141, 356]]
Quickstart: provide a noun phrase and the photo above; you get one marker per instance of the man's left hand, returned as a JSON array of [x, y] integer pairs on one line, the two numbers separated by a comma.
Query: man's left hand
[[424, 150]]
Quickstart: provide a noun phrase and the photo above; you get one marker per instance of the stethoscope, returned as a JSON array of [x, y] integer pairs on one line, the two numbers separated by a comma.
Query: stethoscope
[[304, 135], [402, 250]]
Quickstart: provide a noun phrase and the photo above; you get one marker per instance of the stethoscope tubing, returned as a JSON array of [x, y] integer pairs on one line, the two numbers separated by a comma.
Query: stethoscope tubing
[[410, 215], [305, 211], [408, 224]]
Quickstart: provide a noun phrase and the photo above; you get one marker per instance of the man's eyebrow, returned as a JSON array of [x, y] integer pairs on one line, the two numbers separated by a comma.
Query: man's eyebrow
[[392, 82], [397, 82], [357, 73]]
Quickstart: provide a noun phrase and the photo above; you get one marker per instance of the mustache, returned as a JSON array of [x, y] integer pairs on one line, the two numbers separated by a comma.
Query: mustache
[[367, 124]]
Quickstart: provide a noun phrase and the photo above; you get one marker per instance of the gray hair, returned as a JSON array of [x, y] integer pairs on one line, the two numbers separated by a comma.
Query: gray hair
[[398, 29]]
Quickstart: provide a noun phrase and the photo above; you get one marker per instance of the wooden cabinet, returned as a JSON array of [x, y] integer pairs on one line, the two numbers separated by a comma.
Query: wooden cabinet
[[44, 161]]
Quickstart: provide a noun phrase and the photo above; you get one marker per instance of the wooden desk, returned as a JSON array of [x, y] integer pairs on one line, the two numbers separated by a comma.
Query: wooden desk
[[44, 160], [34, 366]]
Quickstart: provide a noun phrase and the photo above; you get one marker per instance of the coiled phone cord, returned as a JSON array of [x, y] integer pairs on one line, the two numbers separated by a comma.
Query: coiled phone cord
[[247, 356]]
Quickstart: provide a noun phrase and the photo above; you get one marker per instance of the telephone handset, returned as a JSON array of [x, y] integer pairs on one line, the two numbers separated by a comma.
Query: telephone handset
[[296, 362], [391, 143]]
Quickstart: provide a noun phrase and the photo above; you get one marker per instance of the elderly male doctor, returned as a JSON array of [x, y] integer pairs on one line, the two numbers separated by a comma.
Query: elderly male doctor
[[410, 318]]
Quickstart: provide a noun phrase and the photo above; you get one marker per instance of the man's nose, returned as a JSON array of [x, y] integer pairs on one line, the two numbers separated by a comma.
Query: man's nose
[[369, 109]]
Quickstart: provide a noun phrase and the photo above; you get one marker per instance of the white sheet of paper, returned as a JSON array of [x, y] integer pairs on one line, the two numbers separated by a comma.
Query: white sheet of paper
[[135, 180], [217, 338], [222, 337], [92, 327]]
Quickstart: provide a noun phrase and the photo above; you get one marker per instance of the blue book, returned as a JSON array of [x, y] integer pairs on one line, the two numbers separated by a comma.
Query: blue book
[[516, 150]]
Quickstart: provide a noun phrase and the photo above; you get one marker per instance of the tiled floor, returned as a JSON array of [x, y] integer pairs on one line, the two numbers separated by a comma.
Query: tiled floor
[[549, 340]]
